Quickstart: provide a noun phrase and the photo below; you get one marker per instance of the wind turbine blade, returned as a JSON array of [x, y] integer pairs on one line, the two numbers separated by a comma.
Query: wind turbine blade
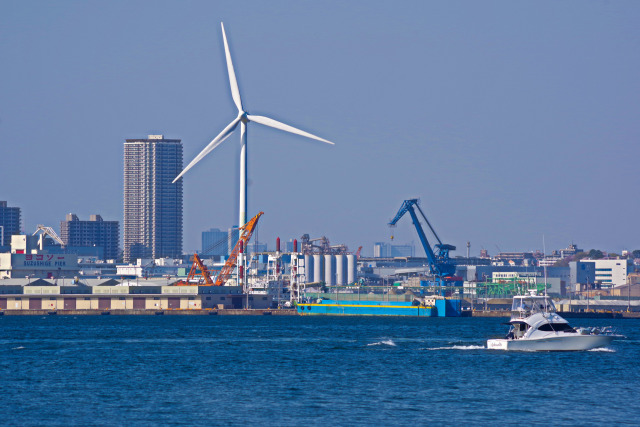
[[278, 125], [235, 92], [211, 146]]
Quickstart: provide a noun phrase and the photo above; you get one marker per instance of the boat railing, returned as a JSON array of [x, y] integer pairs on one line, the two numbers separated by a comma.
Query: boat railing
[[526, 308]]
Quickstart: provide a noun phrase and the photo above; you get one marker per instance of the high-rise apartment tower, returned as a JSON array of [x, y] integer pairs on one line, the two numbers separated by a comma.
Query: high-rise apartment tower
[[214, 242], [95, 232], [9, 223], [152, 204]]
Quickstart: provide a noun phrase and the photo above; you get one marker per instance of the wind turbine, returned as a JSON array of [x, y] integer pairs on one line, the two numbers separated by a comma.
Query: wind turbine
[[243, 120]]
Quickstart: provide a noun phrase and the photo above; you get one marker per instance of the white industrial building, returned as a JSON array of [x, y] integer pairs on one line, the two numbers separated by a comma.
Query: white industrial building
[[610, 272], [28, 259]]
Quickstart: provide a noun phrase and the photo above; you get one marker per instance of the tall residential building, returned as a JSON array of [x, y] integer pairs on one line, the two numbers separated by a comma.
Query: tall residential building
[[95, 232], [152, 204], [214, 242], [9, 223]]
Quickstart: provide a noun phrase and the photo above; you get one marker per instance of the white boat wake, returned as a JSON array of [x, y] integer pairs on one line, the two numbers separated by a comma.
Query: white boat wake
[[459, 347], [384, 342]]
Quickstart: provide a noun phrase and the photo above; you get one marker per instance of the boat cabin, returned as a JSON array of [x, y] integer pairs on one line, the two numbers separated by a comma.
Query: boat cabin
[[526, 305]]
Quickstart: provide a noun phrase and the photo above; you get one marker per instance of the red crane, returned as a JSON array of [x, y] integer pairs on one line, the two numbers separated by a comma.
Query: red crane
[[358, 252]]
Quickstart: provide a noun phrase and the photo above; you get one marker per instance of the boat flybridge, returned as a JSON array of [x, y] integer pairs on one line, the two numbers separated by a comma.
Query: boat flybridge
[[535, 326]]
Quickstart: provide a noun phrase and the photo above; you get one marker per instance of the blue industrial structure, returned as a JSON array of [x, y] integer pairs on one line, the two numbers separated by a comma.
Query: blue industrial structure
[[438, 257], [439, 262]]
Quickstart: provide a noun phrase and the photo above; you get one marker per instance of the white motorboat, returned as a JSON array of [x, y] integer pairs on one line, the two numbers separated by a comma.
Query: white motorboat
[[535, 326]]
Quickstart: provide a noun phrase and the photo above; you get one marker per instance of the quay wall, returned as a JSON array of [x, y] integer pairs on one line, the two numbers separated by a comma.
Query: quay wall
[[283, 312], [566, 314], [127, 312]]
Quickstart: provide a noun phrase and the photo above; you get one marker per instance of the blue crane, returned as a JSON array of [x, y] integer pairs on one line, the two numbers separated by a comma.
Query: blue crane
[[438, 257]]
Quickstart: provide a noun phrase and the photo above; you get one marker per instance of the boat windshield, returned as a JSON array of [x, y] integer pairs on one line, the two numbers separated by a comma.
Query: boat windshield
[[532, 304], [556, 327]]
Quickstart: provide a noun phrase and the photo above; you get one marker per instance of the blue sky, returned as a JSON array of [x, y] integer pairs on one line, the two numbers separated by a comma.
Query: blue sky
[[509, 120]]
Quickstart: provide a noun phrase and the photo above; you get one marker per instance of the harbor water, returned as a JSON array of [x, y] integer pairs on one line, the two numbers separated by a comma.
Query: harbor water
[[272, 370]]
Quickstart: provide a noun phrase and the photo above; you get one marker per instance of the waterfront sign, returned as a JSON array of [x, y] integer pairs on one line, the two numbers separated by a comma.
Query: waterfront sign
[[44, 261]]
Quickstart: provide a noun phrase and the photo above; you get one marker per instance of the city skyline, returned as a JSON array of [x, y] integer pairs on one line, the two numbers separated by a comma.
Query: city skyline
[[217, 242], [509, 121]]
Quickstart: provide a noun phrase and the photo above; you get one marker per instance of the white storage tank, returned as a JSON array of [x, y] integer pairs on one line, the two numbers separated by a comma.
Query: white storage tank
[[308, 264], [352, 269], [329, 270], [318, 271], [341, 270]]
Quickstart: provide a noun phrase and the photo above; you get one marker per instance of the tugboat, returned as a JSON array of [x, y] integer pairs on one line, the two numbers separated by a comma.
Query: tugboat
[[535, 326]]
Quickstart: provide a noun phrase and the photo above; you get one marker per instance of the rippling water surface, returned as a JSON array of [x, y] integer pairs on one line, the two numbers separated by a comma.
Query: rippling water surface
[[231, 370]]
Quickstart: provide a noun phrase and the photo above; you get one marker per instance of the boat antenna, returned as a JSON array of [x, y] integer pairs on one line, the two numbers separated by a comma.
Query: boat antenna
[[544, 254]]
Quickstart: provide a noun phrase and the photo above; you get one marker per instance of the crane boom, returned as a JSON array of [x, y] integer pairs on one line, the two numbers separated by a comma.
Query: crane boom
[[204, 272], [48, 231], [358, 252], [245, 235], [197, 262]]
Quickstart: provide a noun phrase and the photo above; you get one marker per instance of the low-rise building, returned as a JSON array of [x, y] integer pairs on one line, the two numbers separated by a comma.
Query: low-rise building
[[147, 267], [609, 272], [110, 294], [28, 259], [526, 259]]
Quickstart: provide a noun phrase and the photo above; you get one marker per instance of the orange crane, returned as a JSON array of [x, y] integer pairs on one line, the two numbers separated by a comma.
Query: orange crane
[[206, 275], [229, 266], [247, 231]]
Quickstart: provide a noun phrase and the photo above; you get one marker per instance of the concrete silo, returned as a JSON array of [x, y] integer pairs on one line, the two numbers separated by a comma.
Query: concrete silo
[[341, 270], [318, 271], [352, 269], [329, 270], [308, 265]]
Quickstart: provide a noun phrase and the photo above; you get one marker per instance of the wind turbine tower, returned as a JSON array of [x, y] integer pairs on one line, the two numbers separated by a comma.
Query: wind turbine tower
[[243, 119]]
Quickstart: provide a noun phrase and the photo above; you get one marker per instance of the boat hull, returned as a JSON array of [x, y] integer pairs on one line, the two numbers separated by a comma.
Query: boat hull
[[566, 342]]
